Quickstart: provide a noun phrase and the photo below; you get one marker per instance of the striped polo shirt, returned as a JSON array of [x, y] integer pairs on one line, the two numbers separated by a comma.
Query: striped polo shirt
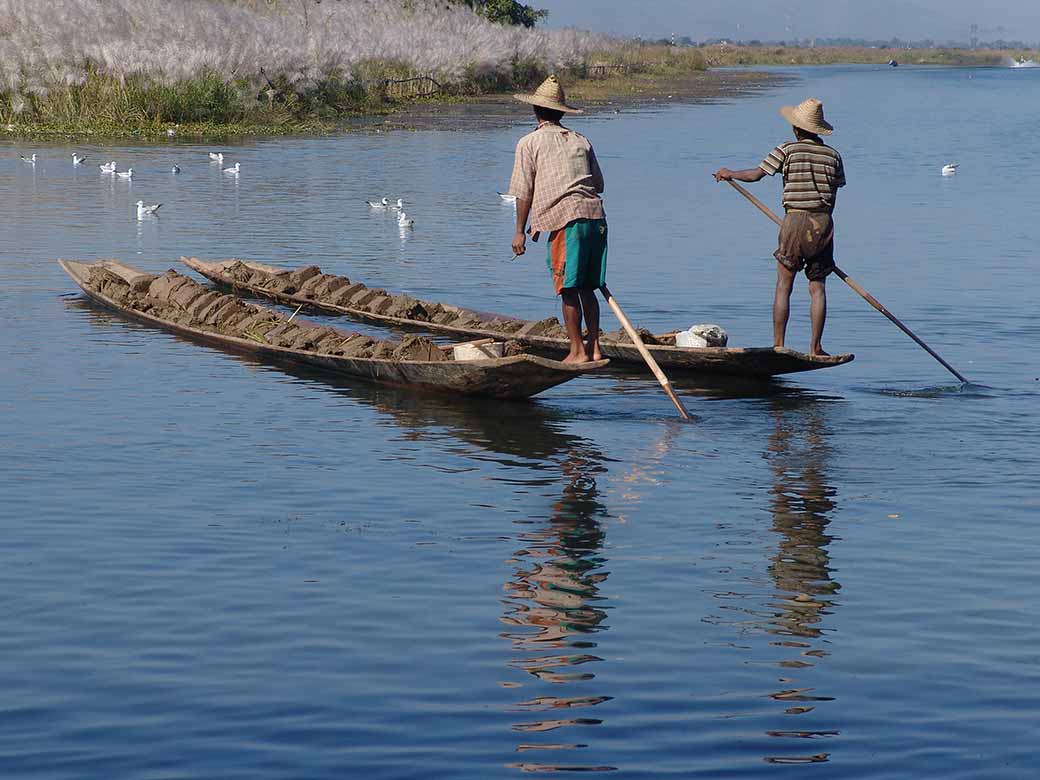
[[812, 173]]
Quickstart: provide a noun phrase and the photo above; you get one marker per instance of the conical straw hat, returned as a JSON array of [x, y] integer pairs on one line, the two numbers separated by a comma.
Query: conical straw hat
[[808, 115], [549, 95]]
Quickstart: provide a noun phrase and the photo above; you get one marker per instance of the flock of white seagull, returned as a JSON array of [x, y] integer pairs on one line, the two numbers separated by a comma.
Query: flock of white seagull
[[403, 220], [109, 168]]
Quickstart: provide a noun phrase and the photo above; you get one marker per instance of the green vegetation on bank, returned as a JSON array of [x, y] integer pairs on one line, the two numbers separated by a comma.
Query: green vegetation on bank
[[209, 106]]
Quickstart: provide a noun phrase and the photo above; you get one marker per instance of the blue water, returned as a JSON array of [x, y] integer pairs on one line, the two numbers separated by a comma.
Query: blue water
[[214, 568]]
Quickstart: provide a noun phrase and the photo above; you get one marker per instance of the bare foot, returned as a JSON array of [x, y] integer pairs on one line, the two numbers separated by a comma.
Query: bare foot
[[582, 358], [818, 352], [592, 352]]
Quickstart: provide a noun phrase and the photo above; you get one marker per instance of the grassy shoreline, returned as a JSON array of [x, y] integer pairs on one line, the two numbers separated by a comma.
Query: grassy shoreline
[[106, 107], [729, 55], [208, 107]]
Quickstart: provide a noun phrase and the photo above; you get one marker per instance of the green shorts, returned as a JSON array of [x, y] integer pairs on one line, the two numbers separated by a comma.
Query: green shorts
[[578, 255]]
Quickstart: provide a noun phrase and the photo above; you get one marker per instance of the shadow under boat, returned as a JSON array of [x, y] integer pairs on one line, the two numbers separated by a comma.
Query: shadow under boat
[[528, 432]]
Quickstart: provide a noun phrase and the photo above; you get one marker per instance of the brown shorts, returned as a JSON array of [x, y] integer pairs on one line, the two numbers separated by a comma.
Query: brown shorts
[[807, 241]]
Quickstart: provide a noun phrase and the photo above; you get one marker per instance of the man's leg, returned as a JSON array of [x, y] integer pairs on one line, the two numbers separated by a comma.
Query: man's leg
[[590, 308], [572, 322], [817, 314], [782, 303]]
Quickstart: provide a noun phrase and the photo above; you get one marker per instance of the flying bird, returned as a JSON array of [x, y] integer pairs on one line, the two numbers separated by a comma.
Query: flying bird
[[950, 169], [77, 160]]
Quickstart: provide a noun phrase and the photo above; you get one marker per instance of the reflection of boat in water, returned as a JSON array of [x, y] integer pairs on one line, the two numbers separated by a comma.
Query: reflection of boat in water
[[801, 504], [531, 433]]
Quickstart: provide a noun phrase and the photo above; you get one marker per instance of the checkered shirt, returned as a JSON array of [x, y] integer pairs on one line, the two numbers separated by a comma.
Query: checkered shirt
[[557, 171]]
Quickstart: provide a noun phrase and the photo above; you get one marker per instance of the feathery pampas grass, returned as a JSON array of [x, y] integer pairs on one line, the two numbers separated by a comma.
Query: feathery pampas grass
[[114, 62]]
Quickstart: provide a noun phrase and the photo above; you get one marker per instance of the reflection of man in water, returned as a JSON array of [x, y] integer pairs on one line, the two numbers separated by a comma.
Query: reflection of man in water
[[801, 505], [553, 600], [802, 501]]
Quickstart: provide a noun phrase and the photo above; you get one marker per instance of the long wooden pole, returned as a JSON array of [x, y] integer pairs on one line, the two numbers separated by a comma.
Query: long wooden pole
[[852, 283], [632, 334]]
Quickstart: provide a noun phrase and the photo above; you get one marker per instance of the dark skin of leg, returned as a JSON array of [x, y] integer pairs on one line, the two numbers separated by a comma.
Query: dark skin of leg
[[590, 308], [782, 308], [572, 322], [577, 303], [817, 314], [782, 303]]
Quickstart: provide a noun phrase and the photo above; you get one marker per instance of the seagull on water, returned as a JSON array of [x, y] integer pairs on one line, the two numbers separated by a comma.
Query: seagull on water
[[30, 160], [175, 169], [127, 174], [505, 196], [109, 167], [216, 156], [399, 206], [77, 160], [404, 221], [381, 205], [950, 169], [233, 169], [146, 211]]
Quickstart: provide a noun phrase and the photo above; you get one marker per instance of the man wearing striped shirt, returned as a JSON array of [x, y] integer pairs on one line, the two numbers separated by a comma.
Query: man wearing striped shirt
[[812, 173]]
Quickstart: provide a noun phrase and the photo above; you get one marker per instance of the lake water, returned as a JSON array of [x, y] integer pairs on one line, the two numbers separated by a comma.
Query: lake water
[[213, 568]]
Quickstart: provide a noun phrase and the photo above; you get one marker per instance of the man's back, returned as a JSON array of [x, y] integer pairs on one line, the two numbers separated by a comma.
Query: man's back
[[556, 169], [812, 173]]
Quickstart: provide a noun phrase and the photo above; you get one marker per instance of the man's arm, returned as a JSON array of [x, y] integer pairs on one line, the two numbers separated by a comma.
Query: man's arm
[[597, 174], [523, 211], [521, 185], [748, 175]]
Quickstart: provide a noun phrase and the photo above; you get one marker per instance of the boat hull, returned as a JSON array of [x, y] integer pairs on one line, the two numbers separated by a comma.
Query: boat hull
[[752, 362], [508, 378]]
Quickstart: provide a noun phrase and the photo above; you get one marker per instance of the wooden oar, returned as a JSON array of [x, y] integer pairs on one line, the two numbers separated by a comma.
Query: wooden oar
[[644, 352], [852, 283]]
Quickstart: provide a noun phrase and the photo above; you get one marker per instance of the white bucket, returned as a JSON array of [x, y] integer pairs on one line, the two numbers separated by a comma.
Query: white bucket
[[686, 338], [479, 351]]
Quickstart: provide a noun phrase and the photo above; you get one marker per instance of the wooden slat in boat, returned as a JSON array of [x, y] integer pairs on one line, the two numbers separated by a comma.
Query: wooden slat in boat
[[515, 377], [754, 362]]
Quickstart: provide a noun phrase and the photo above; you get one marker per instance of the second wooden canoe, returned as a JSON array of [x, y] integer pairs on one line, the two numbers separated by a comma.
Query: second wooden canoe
[[751, 362]]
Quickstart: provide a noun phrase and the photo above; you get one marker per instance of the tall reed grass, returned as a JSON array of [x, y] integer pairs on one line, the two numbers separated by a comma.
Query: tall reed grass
[[107, 63]]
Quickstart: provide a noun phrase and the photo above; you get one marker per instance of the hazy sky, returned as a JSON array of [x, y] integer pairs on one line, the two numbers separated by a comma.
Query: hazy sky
[[940, 20]]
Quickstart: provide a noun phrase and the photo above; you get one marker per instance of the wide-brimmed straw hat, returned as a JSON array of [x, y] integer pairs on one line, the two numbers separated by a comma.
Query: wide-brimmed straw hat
[[808, 115], [549, 95]]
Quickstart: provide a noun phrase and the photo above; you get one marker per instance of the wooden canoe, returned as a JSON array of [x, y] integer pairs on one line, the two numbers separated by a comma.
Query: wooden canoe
[[515, 377], [751, 362]]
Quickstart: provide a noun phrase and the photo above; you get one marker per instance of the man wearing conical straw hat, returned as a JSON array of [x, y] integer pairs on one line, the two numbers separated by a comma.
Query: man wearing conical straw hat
[[557, 183], [812, 173]]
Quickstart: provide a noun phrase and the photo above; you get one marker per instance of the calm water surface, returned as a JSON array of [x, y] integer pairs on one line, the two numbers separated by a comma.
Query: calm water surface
[[213, 568]]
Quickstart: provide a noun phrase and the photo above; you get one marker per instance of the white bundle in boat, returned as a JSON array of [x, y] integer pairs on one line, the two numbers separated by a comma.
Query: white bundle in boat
[[704, 335]]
